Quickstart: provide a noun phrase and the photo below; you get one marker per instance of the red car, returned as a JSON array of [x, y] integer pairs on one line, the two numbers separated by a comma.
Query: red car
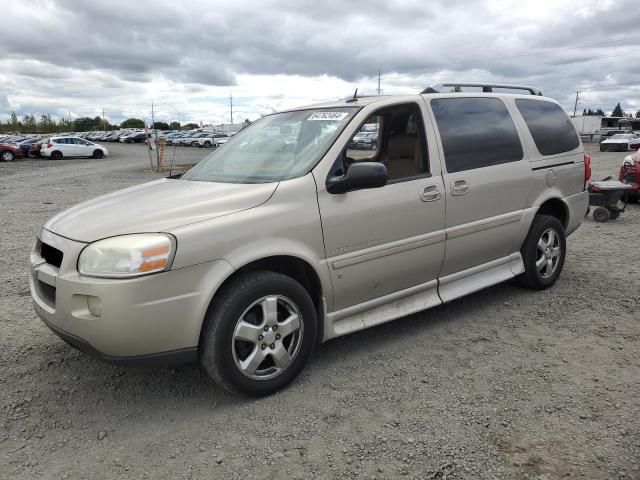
[[635, 144], [10, 152], [630, 174], [34, 151]]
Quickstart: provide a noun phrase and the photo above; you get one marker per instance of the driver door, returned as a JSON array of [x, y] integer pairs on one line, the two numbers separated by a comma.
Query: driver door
[[390, 239]]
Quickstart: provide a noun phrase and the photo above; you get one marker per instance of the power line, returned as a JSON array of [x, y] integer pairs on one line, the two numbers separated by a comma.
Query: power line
[[587, 59]]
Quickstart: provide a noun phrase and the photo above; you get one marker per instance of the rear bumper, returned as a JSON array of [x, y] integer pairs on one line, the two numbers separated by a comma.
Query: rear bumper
[[577, 206]]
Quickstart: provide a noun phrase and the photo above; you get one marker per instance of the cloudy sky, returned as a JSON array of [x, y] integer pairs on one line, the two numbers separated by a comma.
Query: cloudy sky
[[76, 57]]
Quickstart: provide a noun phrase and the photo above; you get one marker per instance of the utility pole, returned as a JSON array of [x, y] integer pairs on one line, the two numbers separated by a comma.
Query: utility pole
[[231, 106], [153, 124], [378, 81], [575, 106]]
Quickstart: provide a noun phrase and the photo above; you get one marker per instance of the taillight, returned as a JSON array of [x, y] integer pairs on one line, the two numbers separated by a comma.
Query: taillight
[[587, 168]]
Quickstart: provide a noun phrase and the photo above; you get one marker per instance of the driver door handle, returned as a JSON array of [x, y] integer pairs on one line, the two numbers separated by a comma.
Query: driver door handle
[[430, 193], [459, 187]]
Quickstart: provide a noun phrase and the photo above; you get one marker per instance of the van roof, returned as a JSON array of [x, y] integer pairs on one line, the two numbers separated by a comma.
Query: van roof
[[371, 99]]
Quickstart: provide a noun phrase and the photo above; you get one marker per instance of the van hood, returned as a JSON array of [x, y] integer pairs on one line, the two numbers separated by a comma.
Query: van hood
[[156, 207]]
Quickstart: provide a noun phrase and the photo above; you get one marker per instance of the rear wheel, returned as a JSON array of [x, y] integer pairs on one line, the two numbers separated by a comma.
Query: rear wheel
[[207, 144], [543, 253], [7, 156], [601, 215], [56, 155], [98, 153], [259, 333]]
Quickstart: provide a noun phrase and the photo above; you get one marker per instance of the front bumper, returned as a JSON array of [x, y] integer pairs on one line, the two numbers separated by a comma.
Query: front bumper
[[150, 320]]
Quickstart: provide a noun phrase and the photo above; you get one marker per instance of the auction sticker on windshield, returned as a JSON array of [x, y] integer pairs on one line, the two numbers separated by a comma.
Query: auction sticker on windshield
[[328, 116]]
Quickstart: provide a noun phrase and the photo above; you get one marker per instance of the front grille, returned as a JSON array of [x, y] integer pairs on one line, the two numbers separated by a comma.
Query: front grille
[[47, 293], [52, 255]]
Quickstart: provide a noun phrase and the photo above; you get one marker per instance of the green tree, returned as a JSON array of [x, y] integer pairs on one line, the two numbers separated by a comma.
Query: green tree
[[161, 125], [46, 124], [132, 123], [600, 112], [638, 114], [191, 126], [14, 123], [174, 126], [29, 123], [617, 111], [87, 124]]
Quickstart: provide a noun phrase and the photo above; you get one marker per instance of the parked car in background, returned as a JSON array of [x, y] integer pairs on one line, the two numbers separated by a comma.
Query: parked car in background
[[25, 145], [9, 152], [635, 144], [135, 137], [34, 151], [364, 141], [618, 143], [60, 147]]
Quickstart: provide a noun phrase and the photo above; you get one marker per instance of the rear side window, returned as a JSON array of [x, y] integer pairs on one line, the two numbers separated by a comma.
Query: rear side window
[[476, 133], [549, 125]]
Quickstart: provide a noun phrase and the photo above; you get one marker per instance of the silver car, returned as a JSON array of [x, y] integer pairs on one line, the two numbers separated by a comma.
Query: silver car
[[285, 237]]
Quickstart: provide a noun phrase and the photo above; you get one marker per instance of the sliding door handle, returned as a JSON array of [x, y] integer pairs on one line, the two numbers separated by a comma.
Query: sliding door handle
[[459, 187]]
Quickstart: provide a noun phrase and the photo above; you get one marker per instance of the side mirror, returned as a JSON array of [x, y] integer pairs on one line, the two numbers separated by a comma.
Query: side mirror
[[360, 175]]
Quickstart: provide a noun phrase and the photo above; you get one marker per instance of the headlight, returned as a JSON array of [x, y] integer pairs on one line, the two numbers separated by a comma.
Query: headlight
[[127, 256]]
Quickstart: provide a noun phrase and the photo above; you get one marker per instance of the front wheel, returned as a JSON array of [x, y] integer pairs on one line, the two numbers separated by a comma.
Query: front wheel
[[258, 334], [207, 144], [98, 153], [8, 156], [543, 253]]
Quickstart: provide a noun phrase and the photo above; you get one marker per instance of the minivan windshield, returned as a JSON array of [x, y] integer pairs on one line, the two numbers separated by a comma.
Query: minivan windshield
[[274, 148]]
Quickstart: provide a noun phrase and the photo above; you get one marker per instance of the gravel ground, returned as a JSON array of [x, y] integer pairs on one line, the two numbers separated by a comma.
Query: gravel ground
[[505, 383]]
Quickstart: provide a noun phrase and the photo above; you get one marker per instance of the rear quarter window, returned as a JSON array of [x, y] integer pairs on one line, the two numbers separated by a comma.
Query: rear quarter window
[[550, 126], [476, 133]]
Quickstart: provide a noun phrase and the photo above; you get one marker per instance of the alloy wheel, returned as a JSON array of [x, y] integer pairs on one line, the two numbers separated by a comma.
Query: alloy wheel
[[548, 253], [267, 337]]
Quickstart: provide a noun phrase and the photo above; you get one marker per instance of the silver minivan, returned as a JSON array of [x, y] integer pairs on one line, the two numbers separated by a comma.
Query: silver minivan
[[286, 237]]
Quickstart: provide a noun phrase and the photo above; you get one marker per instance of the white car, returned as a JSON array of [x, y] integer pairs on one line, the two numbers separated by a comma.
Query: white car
[[213, 140], [60, 147], [619, 142]]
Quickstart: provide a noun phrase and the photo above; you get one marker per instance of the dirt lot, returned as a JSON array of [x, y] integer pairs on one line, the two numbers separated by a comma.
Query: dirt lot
[[505, 384]]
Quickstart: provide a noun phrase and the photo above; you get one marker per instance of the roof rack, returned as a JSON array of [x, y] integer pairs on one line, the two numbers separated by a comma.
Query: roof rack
[[486, 87]]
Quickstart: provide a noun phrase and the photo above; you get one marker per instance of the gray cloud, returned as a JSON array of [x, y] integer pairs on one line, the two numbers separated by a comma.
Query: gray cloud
[[80, 49]]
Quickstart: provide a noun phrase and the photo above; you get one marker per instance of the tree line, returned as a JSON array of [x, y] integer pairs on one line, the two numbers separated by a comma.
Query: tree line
[[46, 124], [616, 112]]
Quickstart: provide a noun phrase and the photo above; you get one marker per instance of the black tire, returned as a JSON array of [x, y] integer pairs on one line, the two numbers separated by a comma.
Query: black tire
[[601, 215], [614, 214], [98, 153], [207, 144], [56, 155], [7, 156], [532, 277], [218, 346]]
